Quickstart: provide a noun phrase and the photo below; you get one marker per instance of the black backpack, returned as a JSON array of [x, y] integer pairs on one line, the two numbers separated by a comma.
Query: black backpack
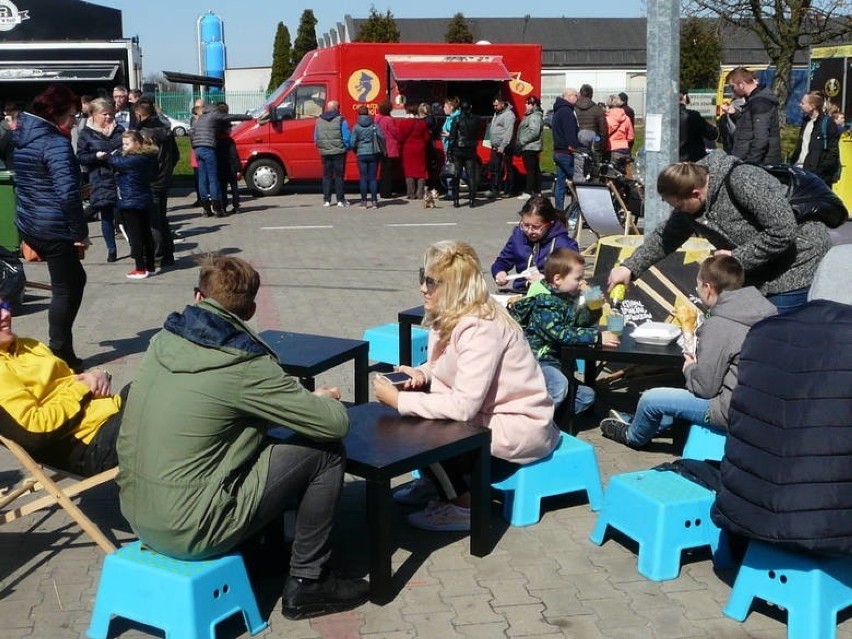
[[810, 197]]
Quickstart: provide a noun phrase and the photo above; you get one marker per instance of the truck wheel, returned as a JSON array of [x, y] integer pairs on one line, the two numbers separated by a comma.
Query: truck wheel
[[265, 177]]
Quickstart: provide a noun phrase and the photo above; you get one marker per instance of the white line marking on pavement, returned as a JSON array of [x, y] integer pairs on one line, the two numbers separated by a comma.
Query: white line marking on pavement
[[294, 228], [426, 224]]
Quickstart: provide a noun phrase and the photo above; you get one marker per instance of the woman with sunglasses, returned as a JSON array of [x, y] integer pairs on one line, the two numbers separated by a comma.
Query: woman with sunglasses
[[540, 231], [481, 370], [66, 420]]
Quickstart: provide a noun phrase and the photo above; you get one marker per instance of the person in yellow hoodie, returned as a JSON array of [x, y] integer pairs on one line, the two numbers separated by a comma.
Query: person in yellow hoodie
[[61, 419]]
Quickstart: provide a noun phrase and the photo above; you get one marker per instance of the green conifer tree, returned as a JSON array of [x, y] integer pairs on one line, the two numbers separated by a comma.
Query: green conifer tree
[[458, 30], [700, 53], [282, 58], [378, 28], [306, 37]]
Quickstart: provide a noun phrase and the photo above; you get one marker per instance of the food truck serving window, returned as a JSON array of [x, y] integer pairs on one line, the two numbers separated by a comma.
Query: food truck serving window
[[448, 67]]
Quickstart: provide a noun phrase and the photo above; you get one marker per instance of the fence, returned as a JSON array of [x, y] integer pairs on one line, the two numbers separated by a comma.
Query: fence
[[179, 105]]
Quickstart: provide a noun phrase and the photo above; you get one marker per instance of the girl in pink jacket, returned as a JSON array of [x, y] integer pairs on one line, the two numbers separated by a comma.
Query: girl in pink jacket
[[480, 370], [620, 133]]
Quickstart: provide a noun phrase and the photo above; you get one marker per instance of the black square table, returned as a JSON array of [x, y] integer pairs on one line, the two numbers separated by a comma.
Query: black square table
[[306, 356], [628, 352], [407, 319], [382, 445]]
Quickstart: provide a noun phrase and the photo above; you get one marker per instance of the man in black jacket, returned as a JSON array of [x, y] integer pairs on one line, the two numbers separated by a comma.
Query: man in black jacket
[[758, 134], [694, 132], [788, 456], [150, 124]]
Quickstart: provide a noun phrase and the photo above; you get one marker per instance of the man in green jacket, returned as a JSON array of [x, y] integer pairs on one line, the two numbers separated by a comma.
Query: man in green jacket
[[198, 474]]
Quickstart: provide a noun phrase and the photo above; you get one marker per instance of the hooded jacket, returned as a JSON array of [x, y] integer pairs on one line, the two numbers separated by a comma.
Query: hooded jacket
[[89, 142], [168, 154], [364, 131], [193, 461], [788, 453], [760, 230], [529, 131], [720, 339], [565, 127], [551, 320], [502, 129], [47, 182], [331, 134], [520, 252], [757, 137], [619, 130], [205, 129], [591, 117]]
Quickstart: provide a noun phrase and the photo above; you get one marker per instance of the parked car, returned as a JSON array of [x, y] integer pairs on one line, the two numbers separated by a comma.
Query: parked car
[[179, 127]]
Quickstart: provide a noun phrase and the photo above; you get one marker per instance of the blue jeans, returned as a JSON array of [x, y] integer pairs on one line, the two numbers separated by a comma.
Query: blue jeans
[[659, 403], [790, 301], [368, 167], [107, 214], [558, 385], [564, 171], [208, 174]]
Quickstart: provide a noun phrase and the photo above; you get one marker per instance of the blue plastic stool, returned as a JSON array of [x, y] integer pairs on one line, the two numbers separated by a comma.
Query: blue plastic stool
[[704, 442], [665, 514], [384, 344], [813, 589], [186, 599], [572, 466]]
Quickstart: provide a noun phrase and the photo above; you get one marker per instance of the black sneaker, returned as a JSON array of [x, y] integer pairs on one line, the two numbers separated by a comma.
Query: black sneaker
[[616, 430], [305, 598]]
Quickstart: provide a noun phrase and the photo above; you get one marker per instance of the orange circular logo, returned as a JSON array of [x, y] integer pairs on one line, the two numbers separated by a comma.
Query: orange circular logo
[[363, 85]]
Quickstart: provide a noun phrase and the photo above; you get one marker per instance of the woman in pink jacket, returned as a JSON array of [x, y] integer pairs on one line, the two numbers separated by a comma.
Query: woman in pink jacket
[[620, 135], [480, 370]]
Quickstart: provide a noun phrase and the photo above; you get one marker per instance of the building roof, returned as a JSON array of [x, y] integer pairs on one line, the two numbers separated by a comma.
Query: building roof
[[567, 42]]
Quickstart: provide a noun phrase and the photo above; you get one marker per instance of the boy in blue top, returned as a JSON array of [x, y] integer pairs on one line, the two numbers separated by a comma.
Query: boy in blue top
[[552, 317]]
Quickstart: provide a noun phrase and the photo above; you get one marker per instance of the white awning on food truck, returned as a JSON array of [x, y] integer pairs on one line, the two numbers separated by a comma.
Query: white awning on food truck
[[448, 67]]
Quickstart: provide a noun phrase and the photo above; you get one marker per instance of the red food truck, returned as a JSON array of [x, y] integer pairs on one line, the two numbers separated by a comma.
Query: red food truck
[[366, 74]]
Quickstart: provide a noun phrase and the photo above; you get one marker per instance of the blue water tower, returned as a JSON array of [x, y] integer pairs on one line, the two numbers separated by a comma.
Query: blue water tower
[[211, 45]]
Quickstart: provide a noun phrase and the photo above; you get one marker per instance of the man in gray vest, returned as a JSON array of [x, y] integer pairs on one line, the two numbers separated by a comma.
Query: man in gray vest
[[332, 138]]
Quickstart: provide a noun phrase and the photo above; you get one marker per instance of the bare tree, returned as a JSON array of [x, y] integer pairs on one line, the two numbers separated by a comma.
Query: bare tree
[[782, 26]]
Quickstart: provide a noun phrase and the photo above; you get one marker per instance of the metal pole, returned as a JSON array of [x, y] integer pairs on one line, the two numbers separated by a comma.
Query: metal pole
[[661, 112]]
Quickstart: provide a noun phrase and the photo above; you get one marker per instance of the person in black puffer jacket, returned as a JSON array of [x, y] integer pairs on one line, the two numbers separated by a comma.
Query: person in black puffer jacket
[[150, 124], [49, 208], [788, 455], [464, 136], [101, 133], [757, 137]]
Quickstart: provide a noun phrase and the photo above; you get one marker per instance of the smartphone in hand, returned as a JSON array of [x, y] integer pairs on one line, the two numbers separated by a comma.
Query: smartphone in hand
[[397, 378]]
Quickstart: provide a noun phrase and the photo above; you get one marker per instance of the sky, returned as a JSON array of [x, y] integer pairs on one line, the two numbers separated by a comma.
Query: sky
[[167, 31]]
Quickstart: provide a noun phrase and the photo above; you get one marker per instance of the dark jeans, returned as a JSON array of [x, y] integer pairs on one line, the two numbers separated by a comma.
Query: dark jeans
[[533, 169], [368, 166], [387, 177], [67, 281], [99, 455], [107, 215], [164, 242], [234, 183], [467, 158], [564, 162], [308, 476], [790, 301], [332, 173], [500, 165], [138, 228]]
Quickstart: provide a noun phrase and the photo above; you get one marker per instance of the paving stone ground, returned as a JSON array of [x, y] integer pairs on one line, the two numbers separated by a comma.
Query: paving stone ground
[[336, 272]]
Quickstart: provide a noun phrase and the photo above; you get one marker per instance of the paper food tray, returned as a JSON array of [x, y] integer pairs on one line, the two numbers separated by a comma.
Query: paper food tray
[[656, 333]]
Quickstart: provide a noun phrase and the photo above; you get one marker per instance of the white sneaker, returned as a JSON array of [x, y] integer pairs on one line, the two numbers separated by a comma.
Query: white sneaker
[[326, 204], [524, 196], [416, 493], [443, 517], [342, 204]]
